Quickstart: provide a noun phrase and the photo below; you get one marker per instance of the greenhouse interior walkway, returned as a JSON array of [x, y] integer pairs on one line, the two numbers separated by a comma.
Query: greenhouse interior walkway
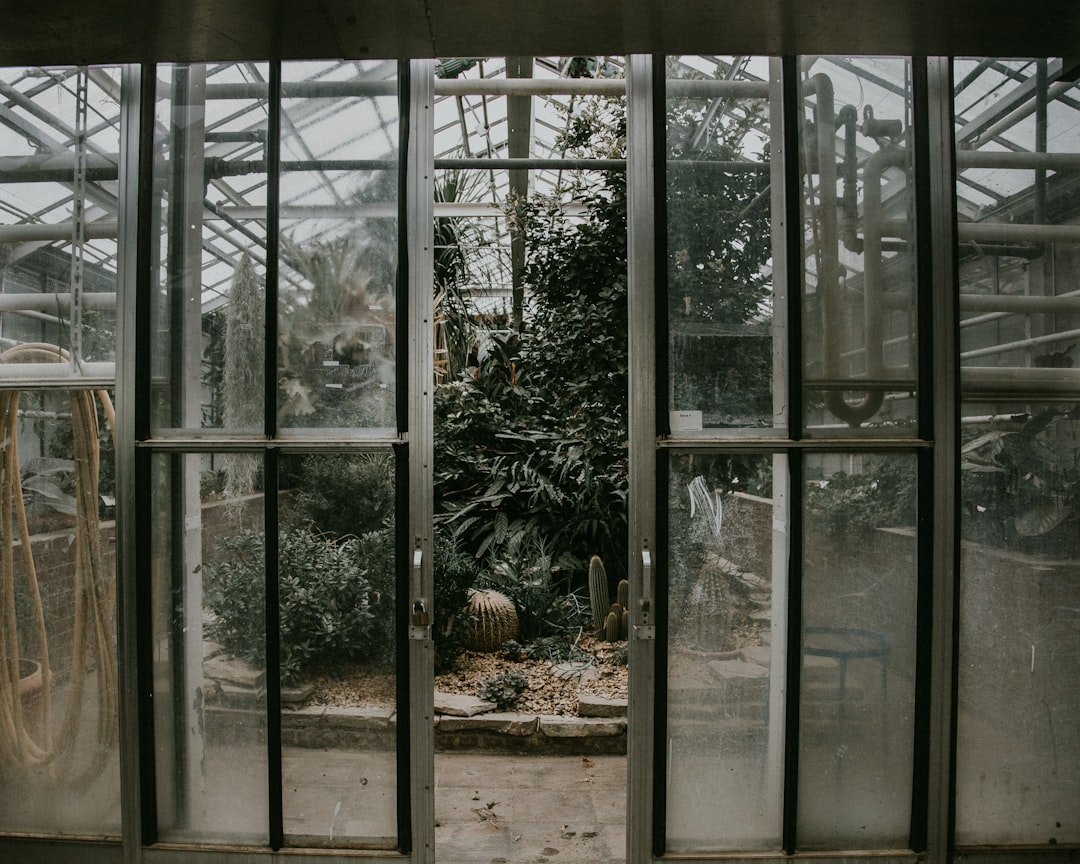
[[509, 808]]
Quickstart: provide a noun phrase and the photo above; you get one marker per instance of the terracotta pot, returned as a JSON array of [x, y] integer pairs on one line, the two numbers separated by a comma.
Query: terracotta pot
[[30, 687]]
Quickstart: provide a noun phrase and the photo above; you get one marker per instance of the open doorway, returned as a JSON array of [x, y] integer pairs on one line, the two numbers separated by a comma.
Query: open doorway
[[530, 471]]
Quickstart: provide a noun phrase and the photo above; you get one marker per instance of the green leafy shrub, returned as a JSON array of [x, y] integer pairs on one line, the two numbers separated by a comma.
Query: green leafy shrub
[[334, 601], [555, 649], [344, 495], [533, 443], [526, 573], [504, 689], [881, 495]]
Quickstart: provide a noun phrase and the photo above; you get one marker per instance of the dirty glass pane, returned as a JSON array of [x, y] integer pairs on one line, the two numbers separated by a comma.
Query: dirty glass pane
[[60, 142], [719, 241], [859, 350], [207, 583], [339, 241], [858, 653], [337, 599], [208, 312], [59, 723], [725, 596], [1018, 743]]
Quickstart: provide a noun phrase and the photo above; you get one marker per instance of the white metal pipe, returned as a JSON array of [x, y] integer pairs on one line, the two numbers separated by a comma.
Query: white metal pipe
[[484, 87], [377, 209], [27, 375], [1032, 342], [530, 86], [1005, 159], [1025, 110], [33, 233], [997, 232], [1023, 382], [1004, 232], [55, 302], [1018, 304]]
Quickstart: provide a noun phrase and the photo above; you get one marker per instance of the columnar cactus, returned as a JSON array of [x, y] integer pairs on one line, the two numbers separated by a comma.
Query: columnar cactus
[[494, 620], [611, 626], [599, 599], [712, 611]]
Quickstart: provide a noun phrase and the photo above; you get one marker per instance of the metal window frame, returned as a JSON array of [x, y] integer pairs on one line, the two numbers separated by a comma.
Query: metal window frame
[[935, 256], [137, 444], [937, 451]]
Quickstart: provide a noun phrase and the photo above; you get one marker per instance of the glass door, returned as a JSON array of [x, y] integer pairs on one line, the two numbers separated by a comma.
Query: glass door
[[281, 456], [776, 482]]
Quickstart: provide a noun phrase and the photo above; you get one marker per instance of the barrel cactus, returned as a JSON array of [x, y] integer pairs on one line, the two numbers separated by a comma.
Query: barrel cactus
[[492, 619]]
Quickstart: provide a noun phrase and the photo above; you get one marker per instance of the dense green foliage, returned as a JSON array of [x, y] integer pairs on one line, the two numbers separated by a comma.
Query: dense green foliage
[[334, 602], [533, 444], [719, 238], [342, 494]]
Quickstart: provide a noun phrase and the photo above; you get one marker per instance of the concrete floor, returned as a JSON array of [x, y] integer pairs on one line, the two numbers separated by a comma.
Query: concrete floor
[[504, 808]]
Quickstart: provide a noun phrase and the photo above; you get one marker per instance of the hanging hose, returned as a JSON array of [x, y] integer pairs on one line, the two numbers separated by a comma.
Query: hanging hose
[[94, 593]]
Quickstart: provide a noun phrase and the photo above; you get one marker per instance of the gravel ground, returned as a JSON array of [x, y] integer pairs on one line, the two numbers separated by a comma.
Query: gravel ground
[[550, 690]]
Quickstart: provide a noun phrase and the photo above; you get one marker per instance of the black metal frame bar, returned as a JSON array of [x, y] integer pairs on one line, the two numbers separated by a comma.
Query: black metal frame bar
[[401, 478]]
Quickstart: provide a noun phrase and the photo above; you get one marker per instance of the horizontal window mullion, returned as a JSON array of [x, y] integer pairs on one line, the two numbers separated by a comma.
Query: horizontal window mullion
[[777, 445], [235, 443]]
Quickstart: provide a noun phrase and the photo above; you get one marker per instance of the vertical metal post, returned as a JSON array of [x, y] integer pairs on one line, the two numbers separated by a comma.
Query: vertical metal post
[[271, 464], [786, 364], [186, 194], [792, 623], [420, 169], [130, 645], [946, 552], [519, 145], [78, 218], [641, 263]]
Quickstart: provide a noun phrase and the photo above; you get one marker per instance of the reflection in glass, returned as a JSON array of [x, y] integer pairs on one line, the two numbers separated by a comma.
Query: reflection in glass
[[719, 241], [725, 670], [59, 722], [207, 343], [858, 652], [859, 346], [208, 590], [1018, 743], [339, 235], [59, 691], [337, 592]]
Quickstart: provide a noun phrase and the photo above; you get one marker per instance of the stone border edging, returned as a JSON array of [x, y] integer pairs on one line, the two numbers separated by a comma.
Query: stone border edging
[[329, 726]]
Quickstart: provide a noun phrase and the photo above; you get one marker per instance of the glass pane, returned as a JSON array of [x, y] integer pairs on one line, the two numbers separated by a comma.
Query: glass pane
[[208, 590], [59, 691], [860, 345], [723, 325], [339, 240], [858, 653], [337, 594], [1018, 745], [60, 142], [207, 349], [59, 767], [727, 583]]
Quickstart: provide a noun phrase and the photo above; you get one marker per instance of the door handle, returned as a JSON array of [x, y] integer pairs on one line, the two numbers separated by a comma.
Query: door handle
[[645, 628], [419, 617]]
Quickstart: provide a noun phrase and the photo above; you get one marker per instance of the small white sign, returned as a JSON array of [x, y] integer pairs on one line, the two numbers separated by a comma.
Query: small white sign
[[685, 421]]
